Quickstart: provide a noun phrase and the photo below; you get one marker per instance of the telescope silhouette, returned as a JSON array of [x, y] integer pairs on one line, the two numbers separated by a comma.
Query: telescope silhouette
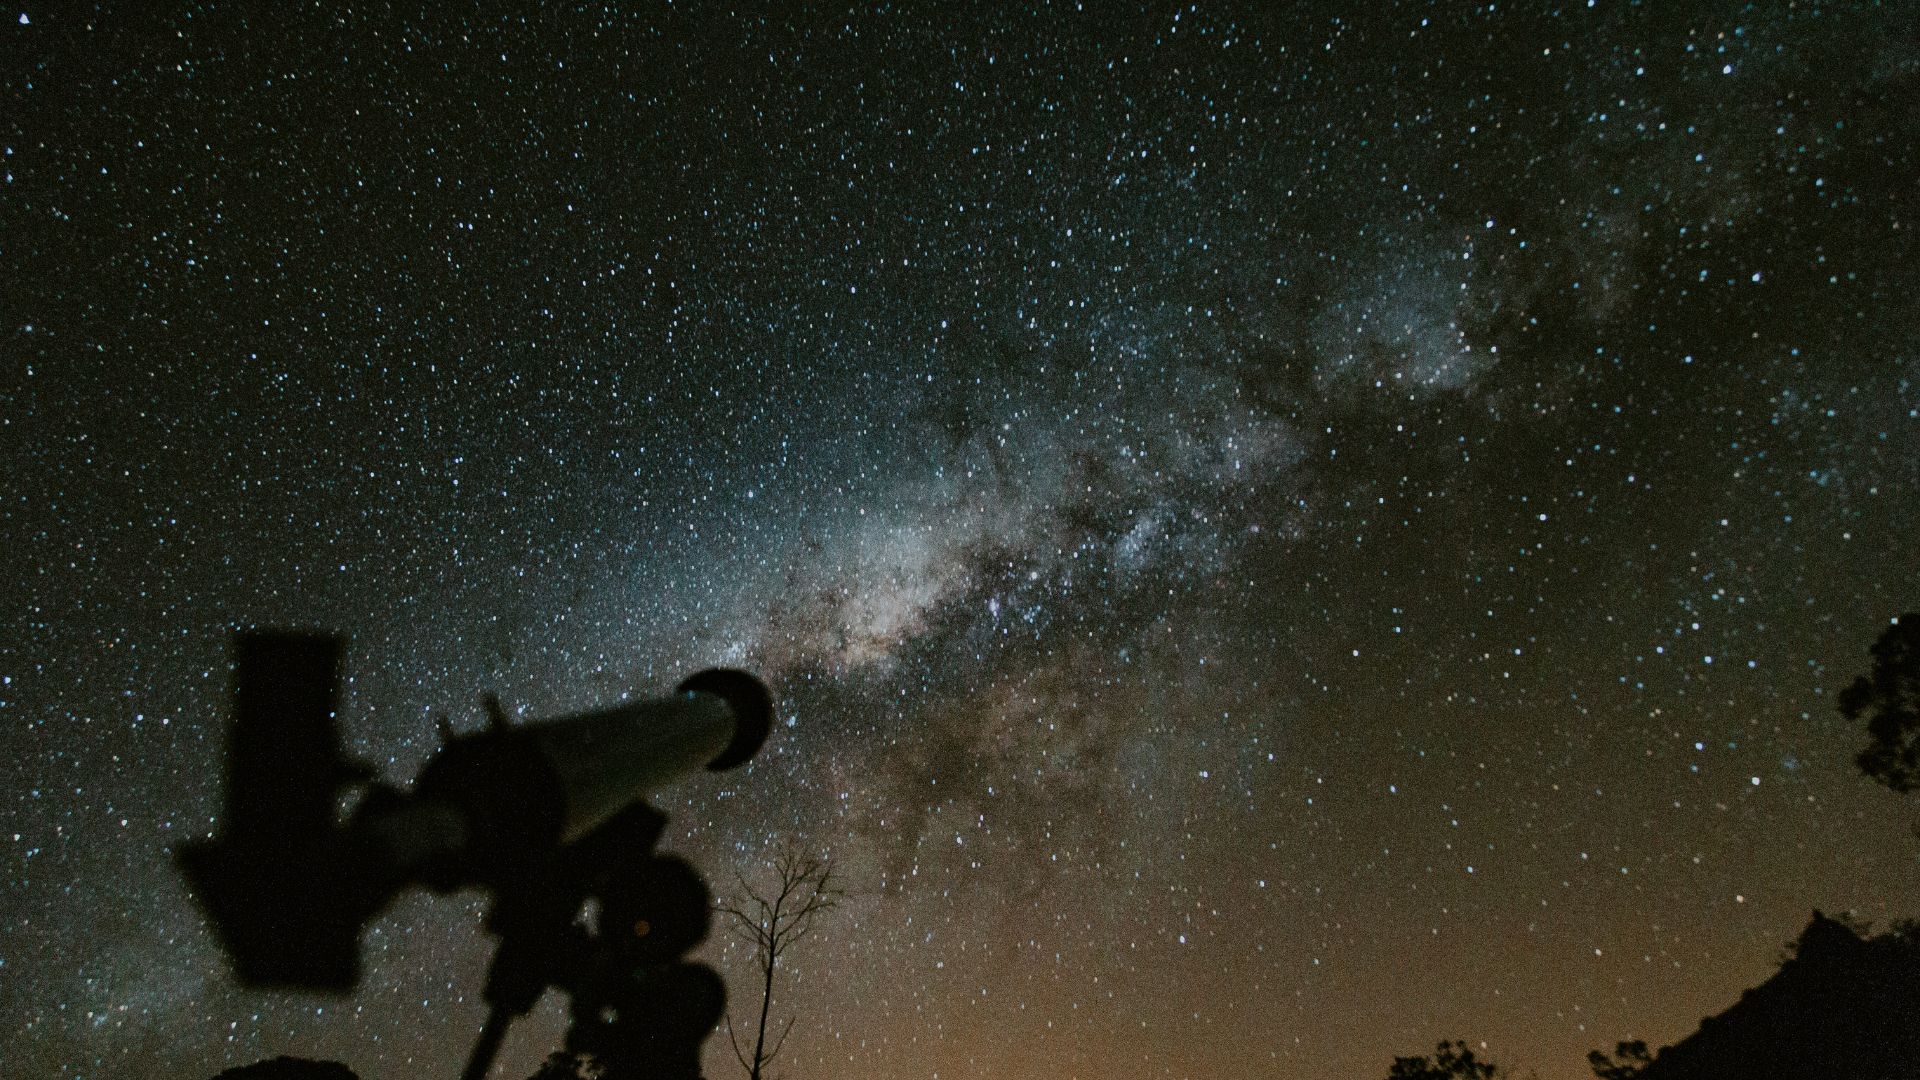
[[549, 818]]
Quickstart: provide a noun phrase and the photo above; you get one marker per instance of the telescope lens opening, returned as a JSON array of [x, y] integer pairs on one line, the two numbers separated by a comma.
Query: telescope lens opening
[[752, 707]]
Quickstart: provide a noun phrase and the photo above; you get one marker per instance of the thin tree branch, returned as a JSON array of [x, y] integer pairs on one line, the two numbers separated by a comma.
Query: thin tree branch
[[738, 1054], [782, 1040]]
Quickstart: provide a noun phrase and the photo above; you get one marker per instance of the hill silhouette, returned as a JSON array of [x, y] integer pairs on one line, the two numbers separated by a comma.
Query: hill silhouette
[[1841, 1005]]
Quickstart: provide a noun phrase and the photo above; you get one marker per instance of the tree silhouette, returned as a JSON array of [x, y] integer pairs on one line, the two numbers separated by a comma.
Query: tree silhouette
[[1629, 1059], [1892, 693], [289, 1068], [773, 923], [1451, 1061], [563, 1065]]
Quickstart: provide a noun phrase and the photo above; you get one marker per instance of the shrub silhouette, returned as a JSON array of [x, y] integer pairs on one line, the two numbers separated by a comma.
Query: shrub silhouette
[[1450, 1061], [289, 1068]]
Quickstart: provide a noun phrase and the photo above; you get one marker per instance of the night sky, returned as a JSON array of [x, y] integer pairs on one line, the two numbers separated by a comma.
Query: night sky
[[1279, 534]]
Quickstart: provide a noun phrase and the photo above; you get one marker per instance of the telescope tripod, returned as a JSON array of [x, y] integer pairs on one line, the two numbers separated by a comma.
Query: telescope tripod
[[609, 923]]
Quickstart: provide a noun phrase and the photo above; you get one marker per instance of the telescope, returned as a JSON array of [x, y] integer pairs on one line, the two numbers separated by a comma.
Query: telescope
[[549, 818]]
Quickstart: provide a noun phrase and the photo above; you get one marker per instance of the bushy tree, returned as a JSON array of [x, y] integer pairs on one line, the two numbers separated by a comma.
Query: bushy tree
[[1889, 697]]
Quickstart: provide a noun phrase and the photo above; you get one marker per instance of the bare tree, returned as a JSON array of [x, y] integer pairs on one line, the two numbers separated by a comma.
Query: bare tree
[[773, 922]]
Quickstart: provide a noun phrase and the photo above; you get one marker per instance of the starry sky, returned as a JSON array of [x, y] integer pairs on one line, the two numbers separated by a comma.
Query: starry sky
[[1280, 533]]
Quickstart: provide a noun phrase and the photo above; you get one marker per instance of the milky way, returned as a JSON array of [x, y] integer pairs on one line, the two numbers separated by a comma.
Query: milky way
[[1278, 538]]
